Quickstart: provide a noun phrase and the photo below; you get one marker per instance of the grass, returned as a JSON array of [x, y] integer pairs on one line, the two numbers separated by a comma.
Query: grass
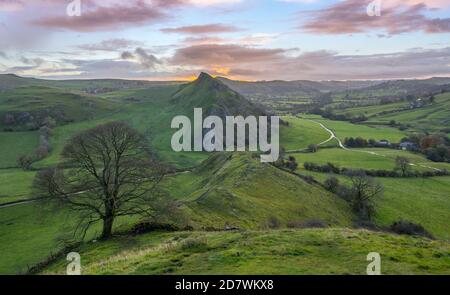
[[370, 111], [233, 190], [420, 200], [15, 144], [301, 133], [345, 129], [289, 252], [46, 101], [429, 118], [15, 184], [424, 201], [369, 159], [223, 191], [30, 232]]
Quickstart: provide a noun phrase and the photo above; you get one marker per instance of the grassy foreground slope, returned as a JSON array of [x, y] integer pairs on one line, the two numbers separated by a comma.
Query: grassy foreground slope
[[307, 251]]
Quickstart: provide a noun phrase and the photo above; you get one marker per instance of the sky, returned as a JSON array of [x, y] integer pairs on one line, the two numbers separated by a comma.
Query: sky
[[239, 39]]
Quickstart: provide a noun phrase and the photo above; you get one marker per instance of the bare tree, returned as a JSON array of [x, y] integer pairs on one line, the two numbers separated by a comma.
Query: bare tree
[[112, 174], [403, 164], [364, 191]]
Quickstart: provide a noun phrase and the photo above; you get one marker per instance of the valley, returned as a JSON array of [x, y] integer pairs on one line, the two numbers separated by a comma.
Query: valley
[[237, 215]]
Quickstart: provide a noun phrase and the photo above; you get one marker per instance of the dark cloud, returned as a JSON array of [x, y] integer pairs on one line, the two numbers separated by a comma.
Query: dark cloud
[[203, 29], [350, 16], [224, 55]]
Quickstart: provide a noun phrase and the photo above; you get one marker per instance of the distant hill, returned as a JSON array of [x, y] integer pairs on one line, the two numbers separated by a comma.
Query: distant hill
[[403, 88], [90, 86], [301, 88]]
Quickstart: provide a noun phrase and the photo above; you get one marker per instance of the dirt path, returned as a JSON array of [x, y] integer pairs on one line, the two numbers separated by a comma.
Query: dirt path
[[342, 146]]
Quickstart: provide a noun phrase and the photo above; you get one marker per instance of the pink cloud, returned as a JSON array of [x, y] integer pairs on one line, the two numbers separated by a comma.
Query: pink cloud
[[350, 16], [203, 29]]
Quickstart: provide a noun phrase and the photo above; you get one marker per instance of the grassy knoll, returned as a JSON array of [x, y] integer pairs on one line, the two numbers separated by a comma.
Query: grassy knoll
[[306, 251], [346, 129], [301, 133], [15, 184], [15, 144]]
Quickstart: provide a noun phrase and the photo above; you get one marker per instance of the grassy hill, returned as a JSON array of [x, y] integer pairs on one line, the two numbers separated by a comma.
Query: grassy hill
[[237, 190], [293, 252], [26, 108]]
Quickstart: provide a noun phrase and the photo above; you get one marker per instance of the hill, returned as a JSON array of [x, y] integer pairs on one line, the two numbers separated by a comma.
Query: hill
[[235, 189], [27, 107], [215, 98], [287, 252]]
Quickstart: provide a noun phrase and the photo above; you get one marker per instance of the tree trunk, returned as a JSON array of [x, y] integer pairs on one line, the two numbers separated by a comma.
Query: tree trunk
[[107, 227]]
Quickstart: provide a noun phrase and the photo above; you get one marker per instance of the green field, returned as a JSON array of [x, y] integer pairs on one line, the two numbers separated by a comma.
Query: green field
[[15, 144], [368, 159], [288, 252], [429, 118], [301, 133], [16, 184], [346, 129]]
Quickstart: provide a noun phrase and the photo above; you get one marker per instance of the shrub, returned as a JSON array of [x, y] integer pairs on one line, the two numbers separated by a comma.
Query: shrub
[[409, 228], [331, 184], [145, 227], [273, 222], [25, 162]]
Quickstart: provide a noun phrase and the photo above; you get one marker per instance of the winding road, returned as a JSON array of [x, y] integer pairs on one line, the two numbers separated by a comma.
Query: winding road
[[342, 146]]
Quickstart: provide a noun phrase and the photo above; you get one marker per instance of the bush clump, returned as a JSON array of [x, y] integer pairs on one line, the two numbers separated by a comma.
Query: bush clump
[[409, 228]]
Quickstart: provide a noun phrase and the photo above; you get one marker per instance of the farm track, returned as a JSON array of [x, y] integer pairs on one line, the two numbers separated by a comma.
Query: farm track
[[342, 146]]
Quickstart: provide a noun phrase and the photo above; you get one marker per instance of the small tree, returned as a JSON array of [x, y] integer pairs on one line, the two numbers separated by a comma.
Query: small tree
[[403, 165], [331, 184], [25, 162], [364, 191], [313, 148], [292, 164], [113, 175]]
